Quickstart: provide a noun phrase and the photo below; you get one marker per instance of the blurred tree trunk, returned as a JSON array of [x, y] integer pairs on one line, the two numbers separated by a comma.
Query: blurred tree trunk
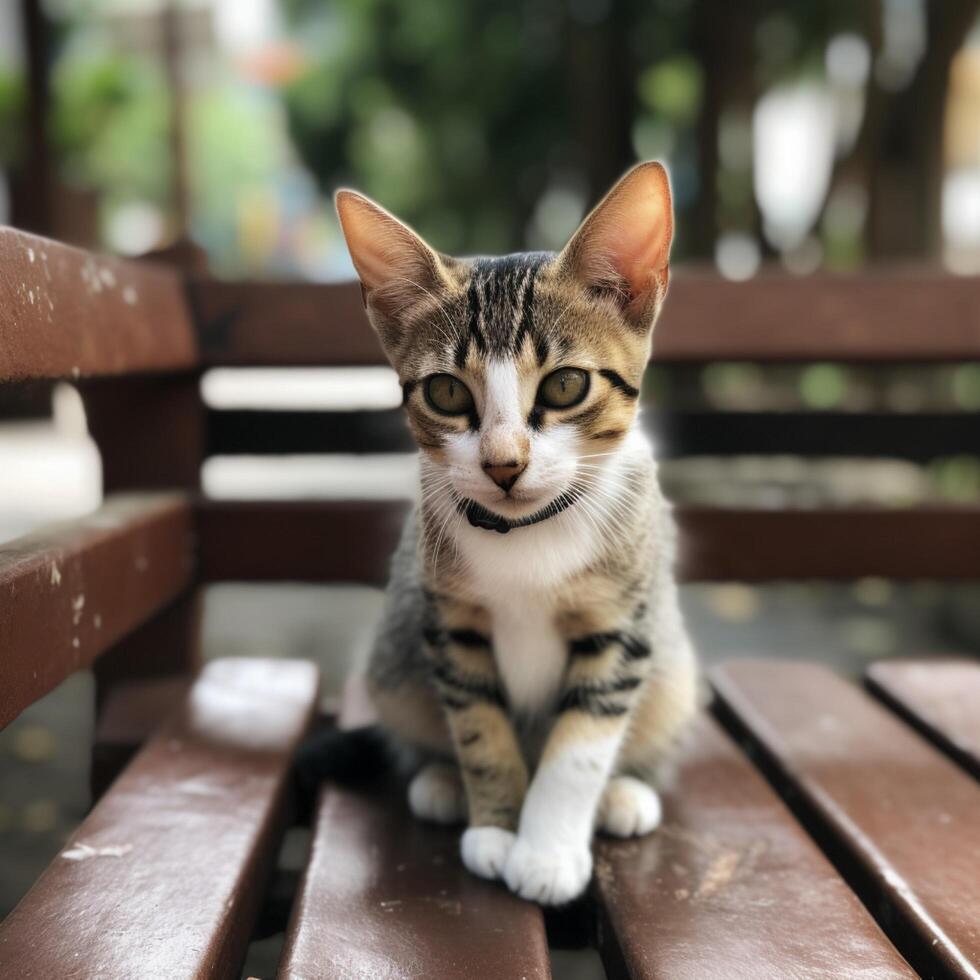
[[723, 43], [602, 83], [905, 139], [31, 199]]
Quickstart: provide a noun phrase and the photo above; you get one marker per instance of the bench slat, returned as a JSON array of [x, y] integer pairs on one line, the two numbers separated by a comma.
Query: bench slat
[[254, 540], [922, 437], [939, 697], [385, 895], [65, 313], [730, 886], [163, 878], [898, 818], [902, 316], [70, 591]]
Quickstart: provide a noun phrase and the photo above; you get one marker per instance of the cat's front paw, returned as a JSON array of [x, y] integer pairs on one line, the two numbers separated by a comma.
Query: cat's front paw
[[485, 850], [551, 875], [629, 808]]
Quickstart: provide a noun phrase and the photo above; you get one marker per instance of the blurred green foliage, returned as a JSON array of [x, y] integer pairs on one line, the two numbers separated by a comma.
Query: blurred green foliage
[[450, 113], [109, 125]]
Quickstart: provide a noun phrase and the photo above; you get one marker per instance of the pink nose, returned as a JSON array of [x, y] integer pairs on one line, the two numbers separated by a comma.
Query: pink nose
[[504, 474]]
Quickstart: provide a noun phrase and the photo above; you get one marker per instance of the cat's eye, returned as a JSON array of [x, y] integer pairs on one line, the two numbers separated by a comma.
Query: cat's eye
[[563, 388], [448, 395]]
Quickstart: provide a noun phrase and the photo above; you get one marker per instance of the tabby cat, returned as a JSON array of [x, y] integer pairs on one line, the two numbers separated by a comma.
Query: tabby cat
[[532, 652]]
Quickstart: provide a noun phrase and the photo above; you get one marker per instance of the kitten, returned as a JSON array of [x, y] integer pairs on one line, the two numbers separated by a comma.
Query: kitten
[[532, 648]]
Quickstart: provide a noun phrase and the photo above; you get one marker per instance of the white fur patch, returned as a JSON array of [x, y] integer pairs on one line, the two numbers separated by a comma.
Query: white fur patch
[[530, 654]]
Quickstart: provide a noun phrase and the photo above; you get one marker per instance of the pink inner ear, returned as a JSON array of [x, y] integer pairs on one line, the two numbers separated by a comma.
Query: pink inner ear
[[630, 232], [639, 248]]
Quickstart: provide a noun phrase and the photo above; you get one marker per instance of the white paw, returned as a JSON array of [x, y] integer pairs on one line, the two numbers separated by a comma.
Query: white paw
[[629, 808], [485, 850], [549, 875], [436, 793]]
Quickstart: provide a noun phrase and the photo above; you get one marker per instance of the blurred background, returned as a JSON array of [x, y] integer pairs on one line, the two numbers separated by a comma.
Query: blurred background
[[802, 138]]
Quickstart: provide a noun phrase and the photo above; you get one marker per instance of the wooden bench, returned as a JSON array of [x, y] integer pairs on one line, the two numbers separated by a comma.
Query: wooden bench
[[812, 830]]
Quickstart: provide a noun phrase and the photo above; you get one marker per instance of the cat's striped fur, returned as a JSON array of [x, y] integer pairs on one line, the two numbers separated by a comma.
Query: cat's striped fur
[[549, 663]]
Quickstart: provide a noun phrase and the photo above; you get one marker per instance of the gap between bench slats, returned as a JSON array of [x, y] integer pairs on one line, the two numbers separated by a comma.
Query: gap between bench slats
[[387, 896], [730, 887], [897, 817], [941, 698], [163, 878], [69, 591]]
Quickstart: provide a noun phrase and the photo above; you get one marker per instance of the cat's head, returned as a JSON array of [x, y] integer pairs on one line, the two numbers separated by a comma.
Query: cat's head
[[520, 374]]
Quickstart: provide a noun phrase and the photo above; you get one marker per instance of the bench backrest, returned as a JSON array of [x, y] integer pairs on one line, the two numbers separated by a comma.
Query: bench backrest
[[136, 339]]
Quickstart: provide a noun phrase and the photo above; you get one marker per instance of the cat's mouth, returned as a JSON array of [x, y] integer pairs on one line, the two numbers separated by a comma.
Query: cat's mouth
[[488, 520]]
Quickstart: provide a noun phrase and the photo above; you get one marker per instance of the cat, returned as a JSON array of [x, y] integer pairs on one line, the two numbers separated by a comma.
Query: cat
[[532, 651]]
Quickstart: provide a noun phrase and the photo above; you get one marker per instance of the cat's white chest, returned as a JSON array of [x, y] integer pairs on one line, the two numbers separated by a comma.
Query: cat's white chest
[[531, 656]]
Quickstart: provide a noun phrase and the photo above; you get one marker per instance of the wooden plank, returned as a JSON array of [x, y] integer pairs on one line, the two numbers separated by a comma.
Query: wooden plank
[[317, 541], [65, 313], [896, 816], [896, 316], [730, 886], [326, 541], [291, 432], [764, 545], [941, 698], [282, 323], [164, 877], [920, 437], [72, 590], [385, 895]]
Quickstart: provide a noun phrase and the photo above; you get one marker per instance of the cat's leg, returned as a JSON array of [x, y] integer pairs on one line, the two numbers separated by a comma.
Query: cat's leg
[[436, 793], [493, 768], [551, 860]]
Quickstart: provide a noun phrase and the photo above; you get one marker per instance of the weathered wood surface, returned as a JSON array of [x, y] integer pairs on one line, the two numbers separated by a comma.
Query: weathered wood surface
[[898, 817], [385, 895], [730, 887], [72, 590], [65, 313], [901, 315], [941, 698], [329, 541], [164, 877]]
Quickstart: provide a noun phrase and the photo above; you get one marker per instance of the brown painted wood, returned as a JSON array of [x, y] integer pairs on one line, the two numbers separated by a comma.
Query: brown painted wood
[[386, 896], [920, 436], [65, 313], [898, 818], [941, 698], [70, 591], [730, 887], [319, 541], [150, 431], [282, 323], [897, 315], [352, 541], [759, 545], [131, 713], [163, 878]]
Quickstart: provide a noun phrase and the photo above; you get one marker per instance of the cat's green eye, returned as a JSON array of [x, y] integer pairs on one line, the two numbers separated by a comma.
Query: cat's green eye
[[448, 395], [563, 388]]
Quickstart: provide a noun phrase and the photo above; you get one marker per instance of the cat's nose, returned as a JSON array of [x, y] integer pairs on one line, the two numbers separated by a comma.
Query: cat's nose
[[504, 474]]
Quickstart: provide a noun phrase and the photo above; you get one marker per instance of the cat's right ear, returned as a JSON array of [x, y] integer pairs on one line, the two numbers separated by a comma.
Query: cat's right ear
[[395, 266]]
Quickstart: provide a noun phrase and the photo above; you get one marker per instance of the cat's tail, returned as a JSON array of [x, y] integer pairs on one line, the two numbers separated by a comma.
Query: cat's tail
[[346, 756]]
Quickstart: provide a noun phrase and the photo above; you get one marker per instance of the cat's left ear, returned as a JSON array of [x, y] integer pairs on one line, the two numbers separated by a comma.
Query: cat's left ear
[[622, 249]]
